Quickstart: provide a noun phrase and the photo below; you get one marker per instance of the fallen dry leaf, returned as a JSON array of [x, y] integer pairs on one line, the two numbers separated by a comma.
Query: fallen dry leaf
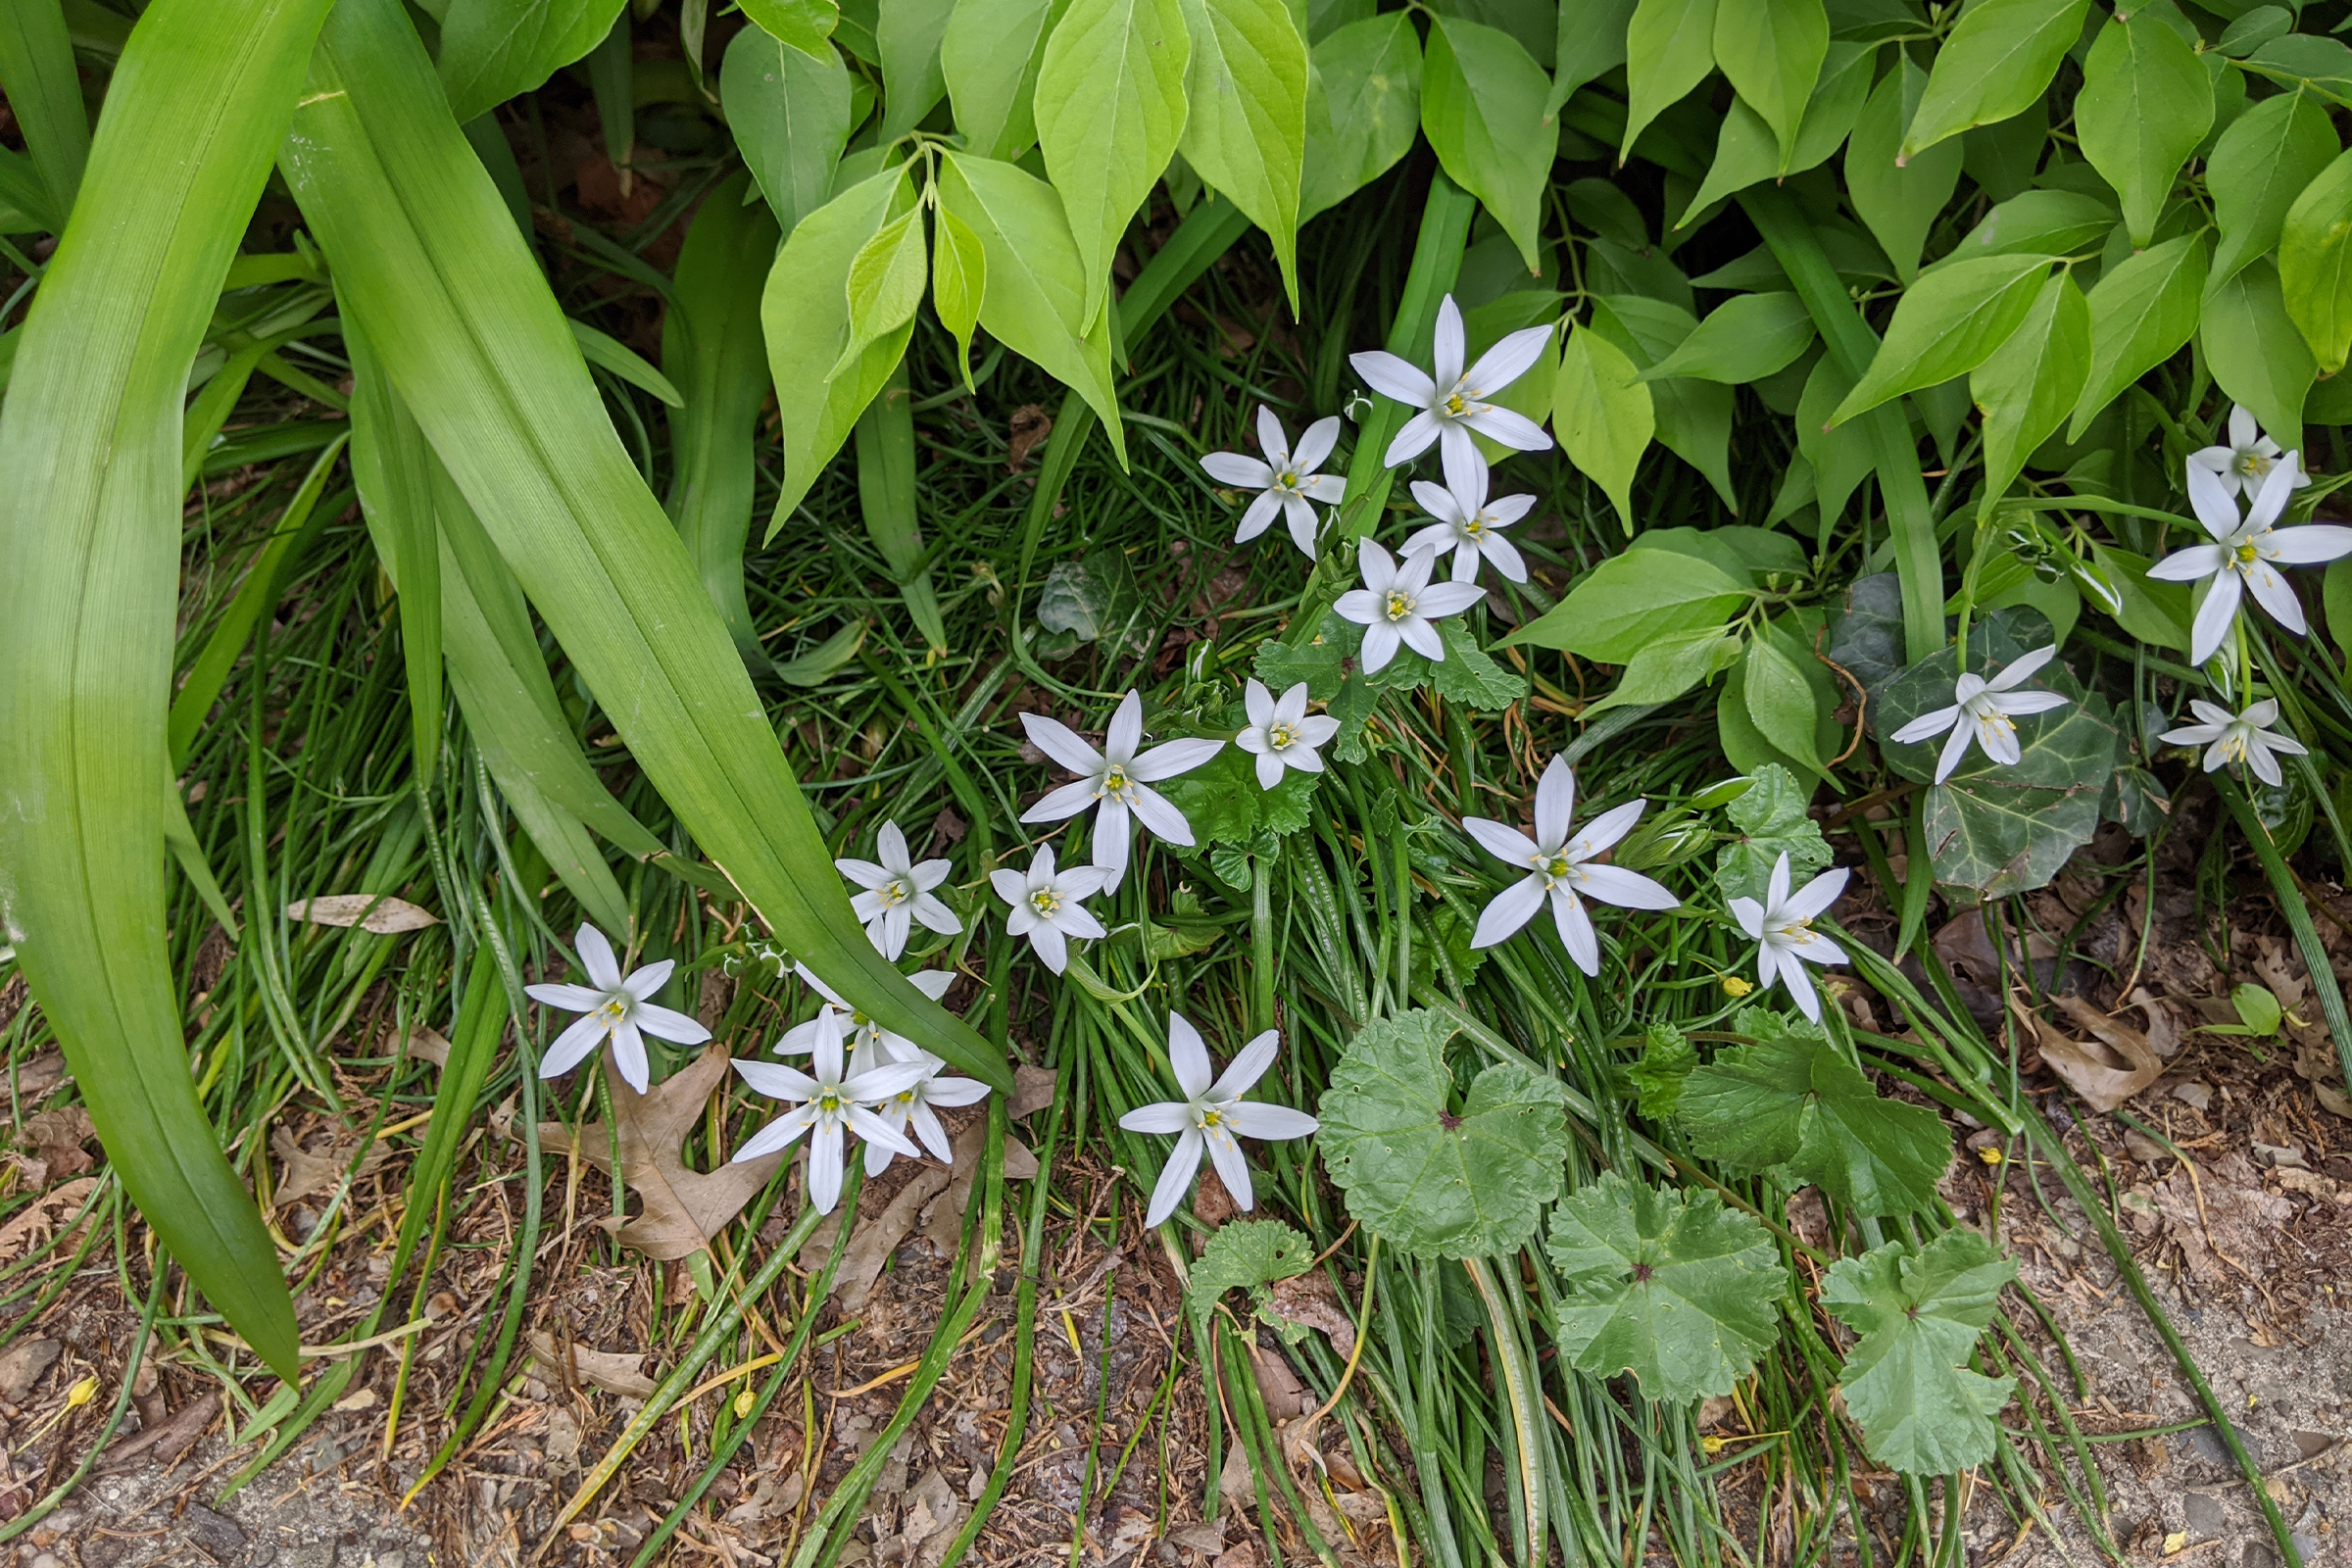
[[384, 915], [2221, 1215], [683, 1208], [38, 1220], [2333, 1099], [613, 1371], [428, 1044], [302, 1173], [55, 1138], [943, 1227], [1310, 1299], [34, 1079], [2115, 1065], [21, 1365], [1032, 1091], [169, 1438], [879, 1235], [1030, 424]]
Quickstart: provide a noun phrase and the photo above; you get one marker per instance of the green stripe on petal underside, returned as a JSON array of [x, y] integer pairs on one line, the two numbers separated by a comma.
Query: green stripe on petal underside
[[419, 237], [90, 528]]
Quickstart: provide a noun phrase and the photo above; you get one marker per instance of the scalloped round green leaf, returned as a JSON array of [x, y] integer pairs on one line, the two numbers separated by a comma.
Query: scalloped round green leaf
[[1919, 1311]]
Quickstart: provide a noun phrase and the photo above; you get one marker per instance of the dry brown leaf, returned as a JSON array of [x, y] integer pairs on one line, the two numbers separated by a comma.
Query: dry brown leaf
[[2333, 1099], [38, 1220], [302, 1173], [613, 1371], [21, 1365], [879, 1235], [1310, 1299], [683, 1208], [36, 1078], [384, 915], [169, 1438], [55, 1138], [1030, 425], [943, 1227], [1032, 1091], [428, 1044], [2115, 1065]]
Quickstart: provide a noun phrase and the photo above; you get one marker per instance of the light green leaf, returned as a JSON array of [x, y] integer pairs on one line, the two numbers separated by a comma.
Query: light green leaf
[[1791, 1100], [1694, 416], [2145, 105], [1246, 1255], [1946, 324], [885, 285], [1670, 1286], [1841, 455], [1772, 50], [1424, 1176], [1906, 1381], [2032, 382], [2141, 311], [2317, 64], [1246, 132], [1746, 151], [2315, 262], [1669, 49], [1664, 667], [493, 49], [44, 93], [2037, 222], [610, 354], [1590, 42], [1667, 1061], [2155, 613], [790, 112], [1996, 62], [1771, 818], [1482, 104], [1780, 699], [1631, 599], [1037, 280], [958, 283], [2254, 351], [2260, 165], [1898, 202], [1110, 109], [1745, 338], [803, 25], [1363, 108], [1604, 415], [988, 57], [908, 34]]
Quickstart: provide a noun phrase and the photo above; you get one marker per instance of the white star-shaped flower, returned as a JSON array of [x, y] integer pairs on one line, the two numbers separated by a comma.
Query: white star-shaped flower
[[2246, 554], [909, 1111], [616, 1006], [1468, 525], [1452, 402], [2237, 737], [1282, 733], [1117, 778], [827, 1107], [1560, 867], [1398, 602], [1985, 711], [898, 891], [870, 1045], [1286, 480], [2246, 461], [1211, 1116], [1783, 927], [1046, 906]]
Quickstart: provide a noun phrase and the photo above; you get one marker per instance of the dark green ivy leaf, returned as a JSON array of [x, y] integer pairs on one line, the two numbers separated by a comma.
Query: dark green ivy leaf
[[1919, 1311]]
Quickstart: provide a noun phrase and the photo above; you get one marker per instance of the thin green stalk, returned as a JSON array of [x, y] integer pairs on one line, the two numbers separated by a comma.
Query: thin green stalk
[[2297, 912]]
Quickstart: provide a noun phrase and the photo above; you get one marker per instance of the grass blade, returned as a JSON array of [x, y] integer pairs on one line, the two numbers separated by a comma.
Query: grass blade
[[392, 466], [37, 69]]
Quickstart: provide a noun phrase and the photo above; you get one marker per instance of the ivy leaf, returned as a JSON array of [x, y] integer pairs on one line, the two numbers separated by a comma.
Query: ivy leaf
[[1791, 1100], [1246, 1255], [1423, 1177], [1772, 820], [1670, 1286], [1919, 1311], [1866, 632]]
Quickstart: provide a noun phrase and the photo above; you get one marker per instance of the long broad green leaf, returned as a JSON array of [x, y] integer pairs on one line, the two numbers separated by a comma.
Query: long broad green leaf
[[493, 49], [418, 236], [89, 526], [391, 466]]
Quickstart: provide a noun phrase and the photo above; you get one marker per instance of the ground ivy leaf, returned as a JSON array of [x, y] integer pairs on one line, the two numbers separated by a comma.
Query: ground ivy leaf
[[1425, 1179], [1221, 799], [1919, 1311], [1772, 820], [1246, 1255], [1672, 1287], [1328, 664], [1790, 1099]]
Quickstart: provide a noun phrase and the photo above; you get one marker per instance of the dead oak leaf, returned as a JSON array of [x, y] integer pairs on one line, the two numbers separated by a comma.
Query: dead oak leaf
[[683, 1208], [613, 1371], [55, 1138], [38, 1220], [380, 913], [304, 1173]]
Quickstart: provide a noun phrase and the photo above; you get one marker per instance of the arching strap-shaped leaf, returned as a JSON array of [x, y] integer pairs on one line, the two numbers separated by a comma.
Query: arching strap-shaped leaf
[[418, 236], [90, 529]]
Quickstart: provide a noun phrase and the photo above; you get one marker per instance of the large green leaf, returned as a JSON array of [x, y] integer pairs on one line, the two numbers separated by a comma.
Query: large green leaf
[[1745, 338], [1669, 49], [1672, 1287], [90, 528], [790, 112], [2254, 351], [1996, 62], [1588, 42], [2031, 384], [2141, 311], [908, 33], [1946, 324], [1633, 599], [1919, 1311], [2145, 104], [2315, 262], [392, 469], [1791, 1100], [1245, 133], [418, 236], [1772, 50], [1747, 152], [989, 56], [1604, 415], [1426, 1177], [1898, 196], [493, 49], [1111, 107], [2259, 166], [1482, 104], [2037, 222], [1363, 108], [1694, 416], [1773, 821]]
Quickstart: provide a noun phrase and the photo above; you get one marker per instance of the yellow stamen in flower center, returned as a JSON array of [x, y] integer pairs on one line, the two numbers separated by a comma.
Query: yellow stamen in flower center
[[1400, 605], [1045, 901], [2253, 464], [1476, 527], [829, 1100], [614, 1008], [906, 1096], [1211, 1118], [1286, 480], [1280, 737], [2246, 553], [893, 892], [1797, 931], [1114, 779], [1456, 405]]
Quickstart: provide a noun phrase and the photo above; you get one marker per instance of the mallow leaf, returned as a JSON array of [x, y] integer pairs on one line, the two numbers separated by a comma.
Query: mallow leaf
[[1246, 1255], [1670, 1286], [1791, 1100], [1919, 1311], [1773, 821], [1428, 1177]]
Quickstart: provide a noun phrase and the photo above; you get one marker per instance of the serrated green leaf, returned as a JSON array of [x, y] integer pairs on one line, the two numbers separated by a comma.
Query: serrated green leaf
[[1363, 108], [1482, 106], [1424, 1177], [1772, 50], [1246, 1255], [989, 59], [1222, 801], [493, 49], [790, 112], [1898, 201], [1245, 133], [2254, 351], [1790, 1099], [1745, 338], [1996, 62], [1670, 47], [1670, 1286], [2142, 311], [1919, 1311], [2145, 104], [2259, 166], [1604, 415], [804, 25], [1328, 664], [1773, 821], [1947, 324], [1631, 599], [1668, 1060], [2315, 262], [2030, 385]]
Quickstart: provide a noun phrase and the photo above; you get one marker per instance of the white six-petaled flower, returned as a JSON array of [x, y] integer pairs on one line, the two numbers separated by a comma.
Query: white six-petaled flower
[[1046, 906], [1118, 779], [1211, 1115], [1398, 602], [910, 1111], [2246, 461], [1286, 480], [827, 1107], [1560, 868], [870, 1045], [616, 1006], [1282, 733], [1453, 403], [2246, 553], [896, 891], [1783, 928], [1468, 523], [1985, 711], [2237, 737]]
